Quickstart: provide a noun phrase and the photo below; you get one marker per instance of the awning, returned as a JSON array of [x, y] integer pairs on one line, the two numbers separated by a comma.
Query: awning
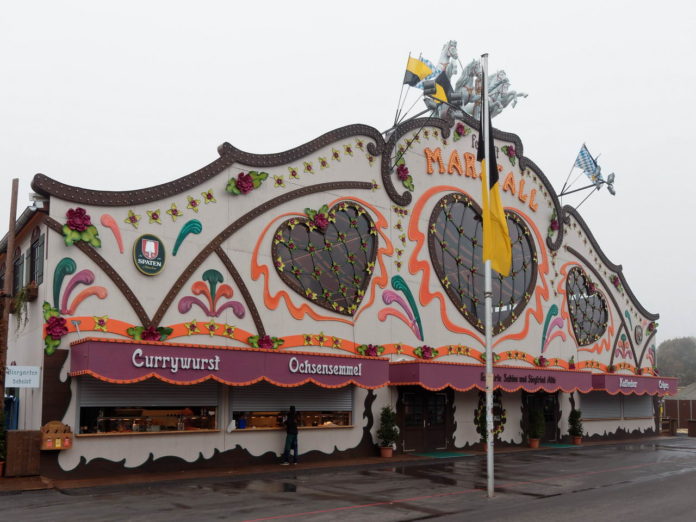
[[634, 384], [123, 361], [462, 377]]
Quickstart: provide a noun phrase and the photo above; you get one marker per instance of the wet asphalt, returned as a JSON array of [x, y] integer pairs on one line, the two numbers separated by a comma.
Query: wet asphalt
[[652, 480]]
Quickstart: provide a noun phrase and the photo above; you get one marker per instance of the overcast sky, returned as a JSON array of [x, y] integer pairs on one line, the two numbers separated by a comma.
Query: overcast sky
[[123, 95]]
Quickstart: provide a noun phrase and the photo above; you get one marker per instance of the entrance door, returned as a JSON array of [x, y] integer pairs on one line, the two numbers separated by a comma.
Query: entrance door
[[423, 418], [548, 403]]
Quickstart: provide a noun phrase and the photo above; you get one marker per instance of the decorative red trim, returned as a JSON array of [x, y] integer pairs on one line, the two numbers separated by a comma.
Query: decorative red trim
[[215, 347], [223, 381]]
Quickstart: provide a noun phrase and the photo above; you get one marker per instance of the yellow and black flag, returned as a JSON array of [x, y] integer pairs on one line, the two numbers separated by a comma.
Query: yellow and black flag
[[416, 71], [496, 237], [443, 88]]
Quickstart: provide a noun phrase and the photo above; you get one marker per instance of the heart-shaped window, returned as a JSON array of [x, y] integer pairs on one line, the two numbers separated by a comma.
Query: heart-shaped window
[[455, 243], [587, 307], [329, 257]]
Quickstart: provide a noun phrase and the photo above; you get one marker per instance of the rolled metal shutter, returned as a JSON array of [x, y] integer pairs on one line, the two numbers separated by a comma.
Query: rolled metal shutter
[[263, 396], [640, 406], [93, 392], [600, 405]]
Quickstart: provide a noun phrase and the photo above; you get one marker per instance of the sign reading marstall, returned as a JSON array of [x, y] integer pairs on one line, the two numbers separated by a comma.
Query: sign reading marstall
[[126, 361]]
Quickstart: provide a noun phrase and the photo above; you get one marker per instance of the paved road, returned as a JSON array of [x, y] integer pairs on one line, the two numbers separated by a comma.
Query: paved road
[[632, 482]]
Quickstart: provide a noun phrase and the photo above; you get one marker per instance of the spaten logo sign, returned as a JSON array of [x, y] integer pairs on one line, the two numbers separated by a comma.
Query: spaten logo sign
[[148, 254]]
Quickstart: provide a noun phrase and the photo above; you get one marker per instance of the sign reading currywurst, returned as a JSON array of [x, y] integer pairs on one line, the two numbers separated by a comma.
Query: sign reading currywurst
[[173, 363], [181, 364]]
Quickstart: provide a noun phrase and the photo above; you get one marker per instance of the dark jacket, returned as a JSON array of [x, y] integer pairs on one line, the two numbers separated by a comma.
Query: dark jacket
[[291, 423]]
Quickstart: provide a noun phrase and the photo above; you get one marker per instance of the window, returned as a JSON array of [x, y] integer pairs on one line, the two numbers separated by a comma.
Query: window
[[637, 406], [587, 307], [148, 406], [18, 272], [600, 405], [330, 266], [455, 244], [263, 405], [36, 258]]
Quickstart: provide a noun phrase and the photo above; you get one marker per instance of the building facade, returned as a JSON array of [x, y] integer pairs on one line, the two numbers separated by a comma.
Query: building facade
[[174, 325]]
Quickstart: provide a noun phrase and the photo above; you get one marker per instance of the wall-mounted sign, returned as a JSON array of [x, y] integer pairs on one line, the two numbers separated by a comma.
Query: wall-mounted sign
[[148, 254], [22, 376]]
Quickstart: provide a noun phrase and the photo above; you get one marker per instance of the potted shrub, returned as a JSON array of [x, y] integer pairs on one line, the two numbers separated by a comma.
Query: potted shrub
[[387, 432], [32, 291], [537, 426], [575, 426]]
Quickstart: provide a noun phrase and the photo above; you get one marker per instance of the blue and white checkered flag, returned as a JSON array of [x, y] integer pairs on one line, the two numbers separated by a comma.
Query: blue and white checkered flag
[[586, 162], [436, 72]]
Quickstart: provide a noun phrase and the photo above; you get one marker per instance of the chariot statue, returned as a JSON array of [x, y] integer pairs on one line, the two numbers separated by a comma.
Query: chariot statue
[[467, 87]]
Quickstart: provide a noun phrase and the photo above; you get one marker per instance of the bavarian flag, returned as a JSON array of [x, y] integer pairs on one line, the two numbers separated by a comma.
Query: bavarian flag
[[416, 71], [496, 237]]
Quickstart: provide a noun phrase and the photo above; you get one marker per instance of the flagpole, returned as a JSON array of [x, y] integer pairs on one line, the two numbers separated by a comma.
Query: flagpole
[[488, 286], [398, 104]]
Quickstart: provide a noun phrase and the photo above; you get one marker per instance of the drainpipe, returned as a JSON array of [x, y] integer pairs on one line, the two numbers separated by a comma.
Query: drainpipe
[[7, 289]]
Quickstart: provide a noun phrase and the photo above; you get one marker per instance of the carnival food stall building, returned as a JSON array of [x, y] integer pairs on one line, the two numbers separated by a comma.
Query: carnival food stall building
[[174, 325]]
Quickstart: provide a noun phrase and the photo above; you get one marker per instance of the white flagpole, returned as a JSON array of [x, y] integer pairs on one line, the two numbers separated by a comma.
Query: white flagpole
[[488, 285]]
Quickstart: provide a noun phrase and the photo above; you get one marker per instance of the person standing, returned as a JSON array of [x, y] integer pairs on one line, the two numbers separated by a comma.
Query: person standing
[[290, 437]]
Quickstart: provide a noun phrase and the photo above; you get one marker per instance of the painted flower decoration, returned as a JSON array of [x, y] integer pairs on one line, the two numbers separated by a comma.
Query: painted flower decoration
[[425, 352], [208, 197], [228, 330], [541, 361], [460, 130], [511, 153], [78, 219], [100, 323], [79, 227], [132, 219], [246, 182], [403, 174], [174, 212], [55, 328], [652, 327], [265, 342], [616, 282], [154, 216], [193, 203], [319, 219], [370, 350], [151, 333]]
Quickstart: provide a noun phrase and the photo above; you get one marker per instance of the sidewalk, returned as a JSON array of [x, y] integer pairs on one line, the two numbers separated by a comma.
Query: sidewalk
[[18, 484]]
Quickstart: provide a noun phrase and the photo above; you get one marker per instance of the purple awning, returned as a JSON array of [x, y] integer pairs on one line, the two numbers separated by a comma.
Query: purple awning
[[115, 360], [634, 384], [462, 377]]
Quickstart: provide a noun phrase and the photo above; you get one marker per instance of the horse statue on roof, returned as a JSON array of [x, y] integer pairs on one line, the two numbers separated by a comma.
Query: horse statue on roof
[[467, 83], [449, 58], [500, 95]]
